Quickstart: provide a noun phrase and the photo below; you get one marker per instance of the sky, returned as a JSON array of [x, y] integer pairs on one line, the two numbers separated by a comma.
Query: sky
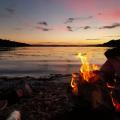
[[60, 21]]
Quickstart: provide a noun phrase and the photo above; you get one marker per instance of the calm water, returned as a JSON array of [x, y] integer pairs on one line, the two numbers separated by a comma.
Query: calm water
[[37, 61]]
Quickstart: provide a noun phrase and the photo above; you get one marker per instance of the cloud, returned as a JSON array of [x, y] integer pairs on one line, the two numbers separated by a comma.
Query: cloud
[[86, 27], [10, 10], [77, 28], [69, 28], [115, 25], [113, 36], [46, 29], [93, 39], [42, 28], [70, 20], [43, 23]]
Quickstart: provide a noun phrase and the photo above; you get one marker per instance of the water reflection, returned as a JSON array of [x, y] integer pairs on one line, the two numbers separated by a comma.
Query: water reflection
[[46, 60], [4, 49]]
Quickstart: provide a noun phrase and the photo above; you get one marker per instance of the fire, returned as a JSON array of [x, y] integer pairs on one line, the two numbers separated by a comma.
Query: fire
[[88, 73], [74, 83]]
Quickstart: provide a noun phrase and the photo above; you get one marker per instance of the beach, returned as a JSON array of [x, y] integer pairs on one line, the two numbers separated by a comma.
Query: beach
[[52, 99], [49, 99]]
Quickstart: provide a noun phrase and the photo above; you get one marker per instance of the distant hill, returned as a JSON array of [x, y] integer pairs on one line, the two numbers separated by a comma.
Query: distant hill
[[112, 43], [9, 43]]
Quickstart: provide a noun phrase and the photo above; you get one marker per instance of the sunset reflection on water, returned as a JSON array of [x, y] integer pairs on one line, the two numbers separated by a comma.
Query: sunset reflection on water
[[46, 60]]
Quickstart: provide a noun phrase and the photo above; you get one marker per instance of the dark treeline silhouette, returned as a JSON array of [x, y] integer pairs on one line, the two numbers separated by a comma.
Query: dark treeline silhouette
[[112, 43], [8, 43]]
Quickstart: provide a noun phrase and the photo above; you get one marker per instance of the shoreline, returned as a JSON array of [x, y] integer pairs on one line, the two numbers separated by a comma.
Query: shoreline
[[48, 77]]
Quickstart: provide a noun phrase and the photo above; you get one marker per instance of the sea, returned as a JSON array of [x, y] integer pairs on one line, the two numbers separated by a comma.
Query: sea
[[44, 61]]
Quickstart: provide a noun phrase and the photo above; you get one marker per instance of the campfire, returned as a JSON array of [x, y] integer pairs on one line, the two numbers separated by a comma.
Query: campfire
[[87, 74], [86, 82]]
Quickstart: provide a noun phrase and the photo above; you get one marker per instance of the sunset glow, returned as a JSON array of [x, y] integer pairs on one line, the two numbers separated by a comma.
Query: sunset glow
[[60, 21]]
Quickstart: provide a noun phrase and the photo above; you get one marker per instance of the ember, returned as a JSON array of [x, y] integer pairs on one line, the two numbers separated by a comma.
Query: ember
[[114, 97]]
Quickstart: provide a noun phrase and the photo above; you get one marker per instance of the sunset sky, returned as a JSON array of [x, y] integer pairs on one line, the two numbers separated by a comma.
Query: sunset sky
[[60, 21]]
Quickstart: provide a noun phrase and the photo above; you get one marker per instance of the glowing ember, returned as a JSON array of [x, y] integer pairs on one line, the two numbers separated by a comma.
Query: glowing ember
[[115, 103], [88, 73]]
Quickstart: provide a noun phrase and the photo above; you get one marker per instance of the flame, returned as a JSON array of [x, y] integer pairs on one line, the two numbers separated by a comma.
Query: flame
[[74, 83], [88, 73]]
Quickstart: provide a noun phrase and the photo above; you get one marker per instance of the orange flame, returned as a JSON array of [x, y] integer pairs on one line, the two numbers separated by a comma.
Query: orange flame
[[74, 83], [87, 73]]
